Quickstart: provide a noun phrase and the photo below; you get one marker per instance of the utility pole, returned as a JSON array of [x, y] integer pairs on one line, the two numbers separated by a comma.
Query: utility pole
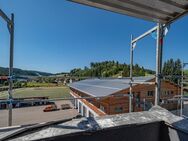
[[10, 25]]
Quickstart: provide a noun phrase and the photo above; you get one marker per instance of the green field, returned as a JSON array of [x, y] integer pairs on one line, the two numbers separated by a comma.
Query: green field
[[51, 92]]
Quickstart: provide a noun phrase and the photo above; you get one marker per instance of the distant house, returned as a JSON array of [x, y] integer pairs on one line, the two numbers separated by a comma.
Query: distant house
[[114, 100], [21, 79], [3, 79]]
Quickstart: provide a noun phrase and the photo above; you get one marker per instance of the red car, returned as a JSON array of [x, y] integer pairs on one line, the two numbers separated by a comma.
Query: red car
[[49, 108]]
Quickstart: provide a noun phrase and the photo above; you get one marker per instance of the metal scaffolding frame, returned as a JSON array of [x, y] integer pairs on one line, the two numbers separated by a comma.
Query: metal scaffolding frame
[[159, 47], [182, 89], [10, 25], [152, 10], [155, 13]]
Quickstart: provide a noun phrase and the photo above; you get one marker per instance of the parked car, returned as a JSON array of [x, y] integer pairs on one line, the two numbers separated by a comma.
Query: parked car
[[65, 106], [51, 107]]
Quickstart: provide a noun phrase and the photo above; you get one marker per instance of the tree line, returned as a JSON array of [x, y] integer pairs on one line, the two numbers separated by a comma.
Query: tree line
[[109, 69], [171, 70]]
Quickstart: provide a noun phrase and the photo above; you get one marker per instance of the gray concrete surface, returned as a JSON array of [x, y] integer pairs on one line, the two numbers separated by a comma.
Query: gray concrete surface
[[176, 128], [32, 115]]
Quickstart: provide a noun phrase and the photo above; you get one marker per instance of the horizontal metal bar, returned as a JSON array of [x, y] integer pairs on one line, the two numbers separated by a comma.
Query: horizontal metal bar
[[5, 17], [144, 35], [184, 82], [177, 99], [184, 116], [185, 64], [59, 99], [148, 83], [185, 88]]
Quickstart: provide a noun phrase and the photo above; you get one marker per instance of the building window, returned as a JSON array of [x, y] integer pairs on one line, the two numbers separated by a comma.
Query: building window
[[172, 92], [90, 114], [150, 93], [80, 106], [118, 109], [168, 92], [84, 111], [165, 92], [102, 108]]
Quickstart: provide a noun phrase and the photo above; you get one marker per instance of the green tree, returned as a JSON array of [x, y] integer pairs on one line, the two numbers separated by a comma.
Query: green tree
[[109, 69], [172, 69]]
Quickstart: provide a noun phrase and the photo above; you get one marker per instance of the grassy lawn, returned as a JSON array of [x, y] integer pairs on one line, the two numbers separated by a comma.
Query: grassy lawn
[[51, 92]]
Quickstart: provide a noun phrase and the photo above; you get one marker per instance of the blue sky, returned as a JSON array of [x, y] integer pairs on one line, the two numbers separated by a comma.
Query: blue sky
[[57, 36]]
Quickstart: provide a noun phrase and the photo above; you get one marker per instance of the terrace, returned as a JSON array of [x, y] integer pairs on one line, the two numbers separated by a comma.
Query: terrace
[[157, 124]]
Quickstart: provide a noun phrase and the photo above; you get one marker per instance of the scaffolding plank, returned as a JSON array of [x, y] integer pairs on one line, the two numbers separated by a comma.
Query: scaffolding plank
[[161, 11]]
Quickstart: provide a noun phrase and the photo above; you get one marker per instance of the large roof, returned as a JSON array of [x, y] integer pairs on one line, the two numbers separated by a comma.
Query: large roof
[[161, 11], [105, 87]]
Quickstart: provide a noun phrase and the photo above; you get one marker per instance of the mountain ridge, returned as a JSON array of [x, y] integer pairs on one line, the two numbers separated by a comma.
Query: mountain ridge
[[21, 72]]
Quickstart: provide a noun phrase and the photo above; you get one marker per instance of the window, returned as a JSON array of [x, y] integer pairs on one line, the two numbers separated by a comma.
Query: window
[[102, 108], [150, 93], [84, 111], [90, 114], [168, 92], [165, 92], [118, 109], [80, 106], [172, 92]]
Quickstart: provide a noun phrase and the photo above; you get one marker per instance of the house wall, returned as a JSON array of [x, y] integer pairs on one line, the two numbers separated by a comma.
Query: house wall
[[168, 91], [85, 107], [120, 104]]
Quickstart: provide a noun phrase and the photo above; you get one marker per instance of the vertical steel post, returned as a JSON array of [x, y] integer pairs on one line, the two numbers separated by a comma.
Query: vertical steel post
[[181, 98], [11, 29], [159, 48], [131, 75]]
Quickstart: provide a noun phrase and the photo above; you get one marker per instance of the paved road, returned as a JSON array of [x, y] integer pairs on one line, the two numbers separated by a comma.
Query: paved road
[[31, 115]]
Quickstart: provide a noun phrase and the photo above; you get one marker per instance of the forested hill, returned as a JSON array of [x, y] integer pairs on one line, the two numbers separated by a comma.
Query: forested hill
[[20, 72], [110, 69]]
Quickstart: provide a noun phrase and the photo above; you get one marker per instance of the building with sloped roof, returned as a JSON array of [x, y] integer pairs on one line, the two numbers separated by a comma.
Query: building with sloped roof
[[111, 96]]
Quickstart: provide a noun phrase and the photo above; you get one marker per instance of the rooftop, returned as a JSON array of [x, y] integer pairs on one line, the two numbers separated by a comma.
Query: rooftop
[[105, 87]]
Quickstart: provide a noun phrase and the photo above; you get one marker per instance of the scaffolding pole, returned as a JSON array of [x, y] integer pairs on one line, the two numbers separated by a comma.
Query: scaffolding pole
[[181, 102], [182, 88], [159, 48], [131, 74], [10, 25], [11, 29], [159, 29]]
